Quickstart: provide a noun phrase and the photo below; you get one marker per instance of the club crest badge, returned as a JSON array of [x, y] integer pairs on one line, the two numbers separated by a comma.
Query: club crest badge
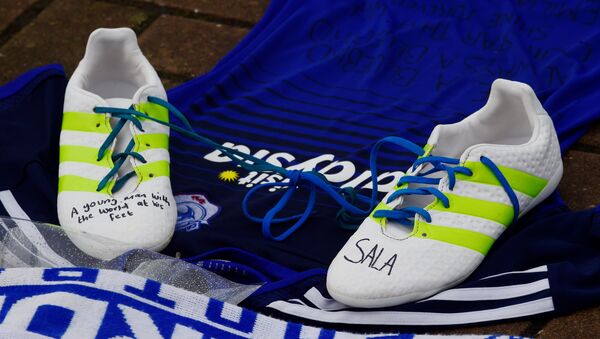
[[193, 211]]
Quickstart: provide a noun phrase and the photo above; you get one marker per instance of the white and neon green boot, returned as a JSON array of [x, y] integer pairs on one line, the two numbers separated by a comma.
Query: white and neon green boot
[[114, 186], [472, 181]]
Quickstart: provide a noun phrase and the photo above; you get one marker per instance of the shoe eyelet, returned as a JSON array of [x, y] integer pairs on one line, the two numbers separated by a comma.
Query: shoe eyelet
[[147, 145], [424, 235], [97, 125], [151, 175]]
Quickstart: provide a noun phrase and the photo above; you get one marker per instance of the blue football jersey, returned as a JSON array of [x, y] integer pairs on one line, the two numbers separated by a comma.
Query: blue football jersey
[[315, 84]]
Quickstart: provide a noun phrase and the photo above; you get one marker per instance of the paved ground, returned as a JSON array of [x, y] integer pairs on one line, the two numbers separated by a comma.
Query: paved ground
[[185, 38]]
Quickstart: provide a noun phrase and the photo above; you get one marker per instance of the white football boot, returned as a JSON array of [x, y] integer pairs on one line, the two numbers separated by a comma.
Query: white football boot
[[471, 181], [115, 197]]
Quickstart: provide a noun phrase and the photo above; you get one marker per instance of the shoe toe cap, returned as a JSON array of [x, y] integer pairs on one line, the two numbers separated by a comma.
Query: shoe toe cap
[[111, 230], [374, 270]]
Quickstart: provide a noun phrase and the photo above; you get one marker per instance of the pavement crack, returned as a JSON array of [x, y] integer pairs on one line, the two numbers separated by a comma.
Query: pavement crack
[[23, 20]]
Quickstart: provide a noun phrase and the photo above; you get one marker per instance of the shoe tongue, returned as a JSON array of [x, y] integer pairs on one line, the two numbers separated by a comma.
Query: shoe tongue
[[415, 200], [124, 136], [141, 95], [118, 102], [395, 229]]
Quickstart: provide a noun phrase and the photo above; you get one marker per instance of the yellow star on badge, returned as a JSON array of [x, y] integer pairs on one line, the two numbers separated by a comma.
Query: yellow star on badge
[[229, 175]]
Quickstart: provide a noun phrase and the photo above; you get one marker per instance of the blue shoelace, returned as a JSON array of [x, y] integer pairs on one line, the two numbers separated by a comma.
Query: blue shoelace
[[349, 215], [405, 215], [310, 180]]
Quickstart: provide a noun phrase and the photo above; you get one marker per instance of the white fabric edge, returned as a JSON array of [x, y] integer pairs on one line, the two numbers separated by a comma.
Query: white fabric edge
[[492, 293], [538, 306]]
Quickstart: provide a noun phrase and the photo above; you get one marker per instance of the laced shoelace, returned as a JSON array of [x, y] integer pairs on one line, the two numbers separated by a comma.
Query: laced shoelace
[[310, 180], [451, 166]]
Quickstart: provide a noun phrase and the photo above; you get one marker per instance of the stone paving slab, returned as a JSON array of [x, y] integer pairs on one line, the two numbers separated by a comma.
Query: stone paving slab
[[247, 10], [11, 9], [580, 185], [188, 47], [583, 324], [59, 34], [592, 137]]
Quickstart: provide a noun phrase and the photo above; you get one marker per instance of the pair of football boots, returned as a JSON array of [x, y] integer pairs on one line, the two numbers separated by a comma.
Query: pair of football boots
[[470, 182]]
